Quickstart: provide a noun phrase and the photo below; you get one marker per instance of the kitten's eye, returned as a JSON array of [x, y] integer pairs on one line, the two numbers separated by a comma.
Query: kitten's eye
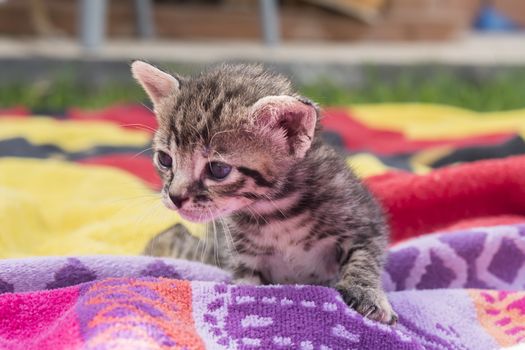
[[219, 170], [164, 159]]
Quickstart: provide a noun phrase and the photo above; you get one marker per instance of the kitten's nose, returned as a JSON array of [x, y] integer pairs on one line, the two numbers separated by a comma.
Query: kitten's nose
[[178, 200]]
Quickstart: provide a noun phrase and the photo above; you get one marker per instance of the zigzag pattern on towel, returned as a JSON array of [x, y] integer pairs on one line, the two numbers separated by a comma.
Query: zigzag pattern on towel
[[487, 258]]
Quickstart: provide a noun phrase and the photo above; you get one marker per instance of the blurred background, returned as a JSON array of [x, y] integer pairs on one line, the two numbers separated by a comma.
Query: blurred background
[[468, 53], [407, 87]]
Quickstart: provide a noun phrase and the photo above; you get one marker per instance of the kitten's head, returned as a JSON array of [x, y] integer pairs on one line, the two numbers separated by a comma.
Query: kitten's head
[[226, 138]]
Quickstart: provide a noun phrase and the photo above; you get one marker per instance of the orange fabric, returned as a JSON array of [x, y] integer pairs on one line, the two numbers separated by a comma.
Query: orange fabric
[[174, 304], [502, 314]]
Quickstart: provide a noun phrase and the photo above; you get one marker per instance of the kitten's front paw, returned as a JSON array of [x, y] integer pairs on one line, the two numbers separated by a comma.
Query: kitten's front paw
[[369, 302]]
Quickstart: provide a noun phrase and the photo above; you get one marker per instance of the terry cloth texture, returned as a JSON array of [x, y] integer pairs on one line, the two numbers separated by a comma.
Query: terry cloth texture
[[456, 290]]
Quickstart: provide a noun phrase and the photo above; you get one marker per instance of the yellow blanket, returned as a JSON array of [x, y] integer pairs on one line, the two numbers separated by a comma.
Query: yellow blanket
[[56, 207]]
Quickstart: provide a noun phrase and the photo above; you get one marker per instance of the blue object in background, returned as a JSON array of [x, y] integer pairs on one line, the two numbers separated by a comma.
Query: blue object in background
[[490, 19]]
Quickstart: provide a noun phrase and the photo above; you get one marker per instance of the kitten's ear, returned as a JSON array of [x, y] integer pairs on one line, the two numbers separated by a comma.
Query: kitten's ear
[[157, 84], [292, 118]]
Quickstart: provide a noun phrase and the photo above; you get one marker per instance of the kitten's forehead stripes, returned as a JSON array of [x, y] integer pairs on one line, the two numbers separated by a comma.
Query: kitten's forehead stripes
[[173, 133], [219, 99], [169, 139], [217, 110]]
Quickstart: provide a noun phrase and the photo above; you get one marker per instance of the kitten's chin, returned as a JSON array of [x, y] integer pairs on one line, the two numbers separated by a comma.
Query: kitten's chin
[[195, 216]]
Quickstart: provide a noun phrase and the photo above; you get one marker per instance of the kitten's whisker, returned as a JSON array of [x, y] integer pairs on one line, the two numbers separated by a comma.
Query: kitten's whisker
[[256, 214], [202, 241], [224, 228], [127, 199], [205, 247], [142, 126], [131, 205], [252, 214], [220, 132], [215, 241], [217, 133], [154, 244], [229, 237], [198, 248], [275, 205], [149, 109], [220, 156], [155, 241], [194, 129], [141, 152], [147, 213], [133, 200], [207, 128], [142, 186]]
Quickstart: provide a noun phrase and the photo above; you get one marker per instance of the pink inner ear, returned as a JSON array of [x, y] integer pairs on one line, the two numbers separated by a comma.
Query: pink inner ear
[[157, 87], [294, 117], [294, 123]]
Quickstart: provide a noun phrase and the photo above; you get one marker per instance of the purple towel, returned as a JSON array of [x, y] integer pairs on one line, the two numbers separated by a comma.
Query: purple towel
[[457, 290]]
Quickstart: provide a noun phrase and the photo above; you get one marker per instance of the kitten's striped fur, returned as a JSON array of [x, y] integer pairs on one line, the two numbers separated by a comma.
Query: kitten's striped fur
[[290, 211]]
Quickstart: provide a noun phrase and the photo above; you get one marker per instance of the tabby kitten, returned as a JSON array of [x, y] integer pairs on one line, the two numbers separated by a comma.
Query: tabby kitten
[[237, 147]]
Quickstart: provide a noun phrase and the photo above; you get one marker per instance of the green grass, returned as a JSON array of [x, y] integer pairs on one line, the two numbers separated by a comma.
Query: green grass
[[500, 92], [63, 92]]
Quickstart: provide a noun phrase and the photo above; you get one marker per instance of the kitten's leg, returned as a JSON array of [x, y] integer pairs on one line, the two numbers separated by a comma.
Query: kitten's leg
[[245, 276], [360, 285], [177, 242]]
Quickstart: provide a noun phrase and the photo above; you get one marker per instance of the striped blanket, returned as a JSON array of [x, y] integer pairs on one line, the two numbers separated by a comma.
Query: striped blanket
[[80, 184]]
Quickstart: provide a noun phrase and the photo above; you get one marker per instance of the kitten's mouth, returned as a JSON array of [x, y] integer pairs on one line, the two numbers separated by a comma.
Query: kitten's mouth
[[190, 215], [202, 216]]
